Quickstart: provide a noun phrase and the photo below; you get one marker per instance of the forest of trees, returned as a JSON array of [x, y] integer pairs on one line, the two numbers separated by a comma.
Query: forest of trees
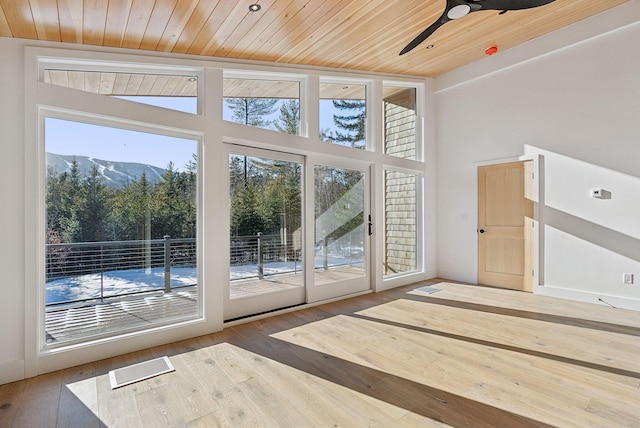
[[265, 194], [82, 208]]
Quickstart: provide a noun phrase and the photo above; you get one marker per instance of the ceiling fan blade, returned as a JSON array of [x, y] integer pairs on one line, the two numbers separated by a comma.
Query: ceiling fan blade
[[512, 4], [426, 33], [473, 6]]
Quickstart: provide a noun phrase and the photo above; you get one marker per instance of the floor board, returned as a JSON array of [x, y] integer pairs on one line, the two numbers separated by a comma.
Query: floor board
[[464, 356]]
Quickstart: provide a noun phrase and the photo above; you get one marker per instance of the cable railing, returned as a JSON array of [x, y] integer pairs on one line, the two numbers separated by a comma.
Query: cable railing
[[100, 267], [84, 271]]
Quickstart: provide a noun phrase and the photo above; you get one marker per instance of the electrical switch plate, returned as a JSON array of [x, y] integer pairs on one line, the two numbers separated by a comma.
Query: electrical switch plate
[[627, 278]]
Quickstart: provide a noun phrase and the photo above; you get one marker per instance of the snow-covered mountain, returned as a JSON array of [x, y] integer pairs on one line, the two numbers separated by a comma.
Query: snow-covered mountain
[[115, 174]]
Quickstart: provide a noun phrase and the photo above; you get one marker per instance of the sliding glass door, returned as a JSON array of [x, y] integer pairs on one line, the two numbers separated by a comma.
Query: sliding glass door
[[341, 229], [266, 269], [298, 230]]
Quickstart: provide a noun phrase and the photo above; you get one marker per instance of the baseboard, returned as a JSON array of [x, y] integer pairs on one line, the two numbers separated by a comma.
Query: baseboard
[[430, 274], [457, 276], [588, 297], [402, 280], [11, 371]]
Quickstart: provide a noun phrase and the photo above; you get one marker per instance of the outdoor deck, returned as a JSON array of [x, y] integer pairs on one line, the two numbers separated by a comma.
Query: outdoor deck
[[81, 320], [85, 319], [241, 288]]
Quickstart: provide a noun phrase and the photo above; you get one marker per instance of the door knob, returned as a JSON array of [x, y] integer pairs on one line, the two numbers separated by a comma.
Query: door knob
[[481, 231]]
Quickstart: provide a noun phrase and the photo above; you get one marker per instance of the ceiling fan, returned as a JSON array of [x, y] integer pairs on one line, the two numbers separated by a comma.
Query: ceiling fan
[[459, 8]]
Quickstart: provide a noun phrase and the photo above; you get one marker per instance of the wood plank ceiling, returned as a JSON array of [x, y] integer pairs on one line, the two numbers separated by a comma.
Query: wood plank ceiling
[[349, 34]]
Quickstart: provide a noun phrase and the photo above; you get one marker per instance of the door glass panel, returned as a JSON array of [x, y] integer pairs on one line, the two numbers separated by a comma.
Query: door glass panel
[[121, 210], [266, 225], [400, 225], [339, 224]]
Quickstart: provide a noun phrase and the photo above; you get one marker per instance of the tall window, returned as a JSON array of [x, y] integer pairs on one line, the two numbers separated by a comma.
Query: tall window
[[121, 215], [343, 114], [401, 223], [400, 122]]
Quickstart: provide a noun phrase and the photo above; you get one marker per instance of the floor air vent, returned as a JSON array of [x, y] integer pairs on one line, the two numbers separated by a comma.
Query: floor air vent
[[140, 371]]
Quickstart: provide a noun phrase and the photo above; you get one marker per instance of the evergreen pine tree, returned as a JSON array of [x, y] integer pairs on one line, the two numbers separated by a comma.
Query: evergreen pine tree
[[289, 120], [94, 210], [251, 111], [353, 124]]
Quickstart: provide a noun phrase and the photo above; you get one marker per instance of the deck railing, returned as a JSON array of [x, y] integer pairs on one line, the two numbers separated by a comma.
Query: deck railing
[[89, 258], [73, 260]]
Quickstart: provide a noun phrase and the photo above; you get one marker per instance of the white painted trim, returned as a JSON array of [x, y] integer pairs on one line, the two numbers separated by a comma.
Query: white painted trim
[[584, 296], [464, 277], [11, 371], [293, 309], [400, 280]]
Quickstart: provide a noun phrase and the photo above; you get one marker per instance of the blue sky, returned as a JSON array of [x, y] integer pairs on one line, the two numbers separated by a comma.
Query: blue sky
[[114, 144], [74, 138]]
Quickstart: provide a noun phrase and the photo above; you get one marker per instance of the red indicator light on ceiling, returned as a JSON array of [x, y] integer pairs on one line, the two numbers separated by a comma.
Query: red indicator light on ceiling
[[491, 50]]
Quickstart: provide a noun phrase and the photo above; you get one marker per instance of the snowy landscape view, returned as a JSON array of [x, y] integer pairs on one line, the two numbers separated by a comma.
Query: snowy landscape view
[[122, 282]]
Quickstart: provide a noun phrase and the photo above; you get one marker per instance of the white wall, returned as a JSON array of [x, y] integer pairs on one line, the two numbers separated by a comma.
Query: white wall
[[12, 250], [574, 97]]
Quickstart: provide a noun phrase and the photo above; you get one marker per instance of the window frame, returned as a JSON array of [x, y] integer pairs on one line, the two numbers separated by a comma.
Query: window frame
[[368, 84], [47, 112], [419, 118], [239, 74], [65, 64], [419, 233], [214, 133]]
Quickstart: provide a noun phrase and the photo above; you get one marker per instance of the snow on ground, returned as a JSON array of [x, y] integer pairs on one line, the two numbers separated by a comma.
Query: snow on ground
[[121, 282], [115, 283]]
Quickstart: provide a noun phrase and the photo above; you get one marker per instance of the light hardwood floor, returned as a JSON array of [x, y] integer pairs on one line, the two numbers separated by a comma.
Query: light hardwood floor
[[465, 356]]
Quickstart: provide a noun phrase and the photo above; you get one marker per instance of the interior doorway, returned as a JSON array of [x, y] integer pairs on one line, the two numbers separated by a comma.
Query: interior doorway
[[506, 225]]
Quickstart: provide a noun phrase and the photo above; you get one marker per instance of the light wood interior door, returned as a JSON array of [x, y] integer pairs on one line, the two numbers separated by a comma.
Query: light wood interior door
[[505, 225]]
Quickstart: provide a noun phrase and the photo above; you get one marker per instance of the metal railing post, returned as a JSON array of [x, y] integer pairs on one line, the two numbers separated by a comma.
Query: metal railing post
[[167, 263], [260, 257], [325, 251], [101, 273]]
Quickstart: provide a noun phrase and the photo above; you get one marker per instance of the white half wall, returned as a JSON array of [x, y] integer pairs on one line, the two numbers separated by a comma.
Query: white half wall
[[573, 97]]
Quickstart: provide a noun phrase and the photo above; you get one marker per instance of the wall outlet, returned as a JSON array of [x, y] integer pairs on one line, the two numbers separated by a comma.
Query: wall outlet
[[627, 278]]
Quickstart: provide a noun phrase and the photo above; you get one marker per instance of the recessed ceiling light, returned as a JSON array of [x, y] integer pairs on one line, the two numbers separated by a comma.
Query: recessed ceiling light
[[430, 46], [192, 79], [254, 7]]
